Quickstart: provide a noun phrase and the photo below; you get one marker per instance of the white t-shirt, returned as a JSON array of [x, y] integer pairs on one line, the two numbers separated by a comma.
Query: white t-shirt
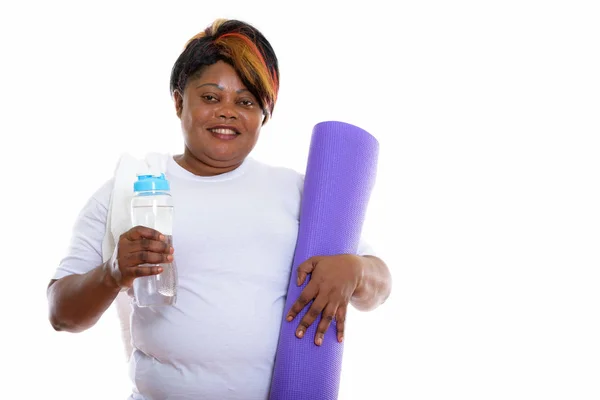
[[234, 236]]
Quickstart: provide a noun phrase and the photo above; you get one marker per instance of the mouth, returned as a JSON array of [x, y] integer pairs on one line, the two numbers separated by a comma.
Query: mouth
[[224, 133]]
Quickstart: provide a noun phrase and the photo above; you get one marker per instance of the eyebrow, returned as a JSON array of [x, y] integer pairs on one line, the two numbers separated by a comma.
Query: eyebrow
[[221, 87]]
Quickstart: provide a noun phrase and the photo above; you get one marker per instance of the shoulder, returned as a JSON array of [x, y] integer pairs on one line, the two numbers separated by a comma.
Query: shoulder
[[102, 195]]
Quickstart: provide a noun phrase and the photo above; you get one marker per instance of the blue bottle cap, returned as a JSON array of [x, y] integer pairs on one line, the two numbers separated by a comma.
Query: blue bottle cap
[[146, 183]]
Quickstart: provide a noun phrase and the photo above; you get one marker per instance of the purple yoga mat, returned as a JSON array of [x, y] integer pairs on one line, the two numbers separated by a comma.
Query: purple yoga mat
[[340, 174]]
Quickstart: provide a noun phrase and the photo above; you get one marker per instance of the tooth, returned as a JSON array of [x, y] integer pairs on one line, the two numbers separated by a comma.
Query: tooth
[[224, 131]]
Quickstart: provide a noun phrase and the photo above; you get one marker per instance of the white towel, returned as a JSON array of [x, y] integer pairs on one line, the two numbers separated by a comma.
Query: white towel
[[118, 221]]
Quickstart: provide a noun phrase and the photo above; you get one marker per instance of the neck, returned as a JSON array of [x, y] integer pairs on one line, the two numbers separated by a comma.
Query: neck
[[204, 167]]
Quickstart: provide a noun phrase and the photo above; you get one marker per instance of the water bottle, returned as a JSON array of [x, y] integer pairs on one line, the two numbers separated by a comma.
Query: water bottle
[[152, 206]]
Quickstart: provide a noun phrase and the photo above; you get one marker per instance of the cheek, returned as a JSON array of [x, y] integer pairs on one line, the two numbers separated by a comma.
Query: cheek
[[253, 122], [186, 120], [194, 117]]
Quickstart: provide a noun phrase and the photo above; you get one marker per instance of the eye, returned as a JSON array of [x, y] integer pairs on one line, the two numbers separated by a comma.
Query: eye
[[209, 98], [246, 103]]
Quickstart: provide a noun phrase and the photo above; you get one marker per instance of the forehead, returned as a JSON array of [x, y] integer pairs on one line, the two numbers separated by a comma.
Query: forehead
[[219, 73]]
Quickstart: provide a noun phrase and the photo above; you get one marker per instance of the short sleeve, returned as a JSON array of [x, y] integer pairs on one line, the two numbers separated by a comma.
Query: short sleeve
[[84, 252], [365, 249]]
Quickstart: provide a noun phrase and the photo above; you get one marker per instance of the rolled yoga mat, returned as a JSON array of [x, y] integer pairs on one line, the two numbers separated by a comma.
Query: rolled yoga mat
[[340, 175]]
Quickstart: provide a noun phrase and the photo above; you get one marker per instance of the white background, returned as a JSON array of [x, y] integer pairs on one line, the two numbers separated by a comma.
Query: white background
[[486, 206]]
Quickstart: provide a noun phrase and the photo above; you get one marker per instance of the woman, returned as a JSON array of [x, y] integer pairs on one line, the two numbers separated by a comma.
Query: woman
[[234, 234]]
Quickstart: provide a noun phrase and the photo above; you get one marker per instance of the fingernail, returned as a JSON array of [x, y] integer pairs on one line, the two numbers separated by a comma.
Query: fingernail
[[289, 318], [340, 339], [298, 281], [319, 341], [171, 250], [169, 258], [161, 237], [300, 333]]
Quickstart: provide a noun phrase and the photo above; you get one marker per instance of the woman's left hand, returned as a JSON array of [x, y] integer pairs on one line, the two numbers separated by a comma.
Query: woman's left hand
[[332, 284]]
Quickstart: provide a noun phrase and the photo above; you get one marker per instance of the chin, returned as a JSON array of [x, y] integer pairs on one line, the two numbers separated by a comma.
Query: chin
[[225, 160]]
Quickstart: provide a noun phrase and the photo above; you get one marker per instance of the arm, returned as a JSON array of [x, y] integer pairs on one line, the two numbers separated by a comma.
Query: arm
[[363, 281], [77, 302], [375, 284]]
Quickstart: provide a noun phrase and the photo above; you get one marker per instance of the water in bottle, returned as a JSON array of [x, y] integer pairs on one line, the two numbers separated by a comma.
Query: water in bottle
[[152, 206]]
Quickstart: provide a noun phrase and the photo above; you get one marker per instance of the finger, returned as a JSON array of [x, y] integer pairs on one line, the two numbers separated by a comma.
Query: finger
[[325, 322], [340, 320], [155, 246], [144, 257], [139, 232], [306, 268], [311, 315], [138, 271], [308, 294]]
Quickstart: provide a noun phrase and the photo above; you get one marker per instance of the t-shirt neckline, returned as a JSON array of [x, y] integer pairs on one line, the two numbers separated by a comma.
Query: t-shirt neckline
[[177, 170]]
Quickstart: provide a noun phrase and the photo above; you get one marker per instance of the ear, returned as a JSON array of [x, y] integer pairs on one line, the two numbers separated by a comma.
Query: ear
[[178, 100], [265, 117]]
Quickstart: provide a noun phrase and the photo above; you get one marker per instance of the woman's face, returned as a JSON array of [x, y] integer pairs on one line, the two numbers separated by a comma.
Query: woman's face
[[220, 120]]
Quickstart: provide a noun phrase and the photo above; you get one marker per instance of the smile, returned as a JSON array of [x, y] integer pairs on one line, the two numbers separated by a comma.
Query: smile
[[222, 131]]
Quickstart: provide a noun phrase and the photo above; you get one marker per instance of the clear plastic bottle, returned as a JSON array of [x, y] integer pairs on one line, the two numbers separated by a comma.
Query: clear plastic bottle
[[152, 206]]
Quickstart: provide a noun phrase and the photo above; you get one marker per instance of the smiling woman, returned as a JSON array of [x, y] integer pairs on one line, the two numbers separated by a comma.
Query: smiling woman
[[217, 145], [223, 73], [235, 229]]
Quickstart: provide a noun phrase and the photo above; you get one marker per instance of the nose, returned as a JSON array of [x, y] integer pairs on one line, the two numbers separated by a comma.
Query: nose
[[226, 111]]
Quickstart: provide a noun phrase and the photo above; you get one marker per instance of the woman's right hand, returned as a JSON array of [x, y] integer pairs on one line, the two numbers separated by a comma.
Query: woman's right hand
[[139, 245]]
